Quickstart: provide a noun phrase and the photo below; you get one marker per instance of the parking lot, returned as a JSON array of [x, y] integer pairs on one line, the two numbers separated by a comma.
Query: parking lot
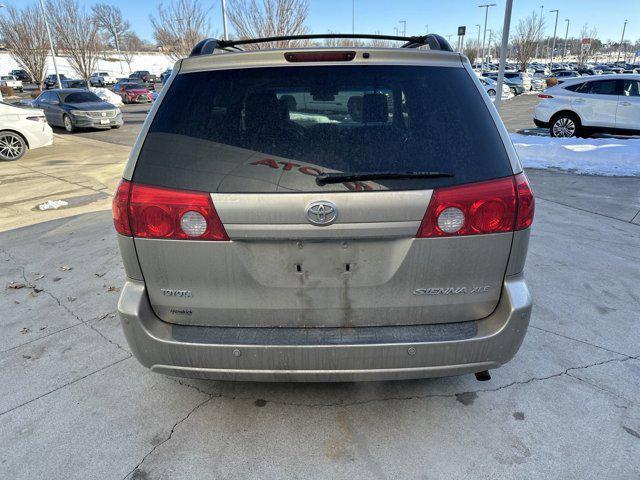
[[74, 403]]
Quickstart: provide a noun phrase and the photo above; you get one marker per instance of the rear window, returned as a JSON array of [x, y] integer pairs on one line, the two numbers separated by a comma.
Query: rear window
[[274, 129]]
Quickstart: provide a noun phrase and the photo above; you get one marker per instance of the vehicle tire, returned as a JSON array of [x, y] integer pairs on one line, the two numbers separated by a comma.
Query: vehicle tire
[[492, 94], [68, 124], [116, 126], [12, 146], [565, 125]]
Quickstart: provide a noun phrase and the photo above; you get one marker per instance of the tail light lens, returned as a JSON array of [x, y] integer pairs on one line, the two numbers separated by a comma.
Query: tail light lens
[[155, 212], [544, 95], [339, 56], [119, 208], [495, 206]]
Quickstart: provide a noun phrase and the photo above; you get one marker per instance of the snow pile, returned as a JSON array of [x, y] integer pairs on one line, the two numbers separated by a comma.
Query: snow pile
[[107, 95], [591, 156]]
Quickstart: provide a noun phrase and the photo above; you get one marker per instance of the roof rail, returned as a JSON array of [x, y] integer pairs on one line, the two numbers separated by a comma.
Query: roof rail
[[210, 45]]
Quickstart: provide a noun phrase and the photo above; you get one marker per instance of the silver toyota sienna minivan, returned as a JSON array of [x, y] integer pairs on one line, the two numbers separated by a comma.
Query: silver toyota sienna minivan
[[323, 214]]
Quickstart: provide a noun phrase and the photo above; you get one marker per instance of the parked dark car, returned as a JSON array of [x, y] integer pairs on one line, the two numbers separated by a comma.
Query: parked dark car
[[143, 76], [74, 83], [74, 108], [586, 71], [21, 75], [164, 76], [132, 92], [51, 81]]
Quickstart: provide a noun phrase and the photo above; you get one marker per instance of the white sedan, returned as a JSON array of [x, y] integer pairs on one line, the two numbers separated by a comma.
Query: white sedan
[[11, 81], [582, 105], [491, 87], [22, 129]]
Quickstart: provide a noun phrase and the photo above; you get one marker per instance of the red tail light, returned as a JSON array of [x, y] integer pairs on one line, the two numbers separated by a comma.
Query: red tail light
[[119, 208], [495, 206], [338, 56], [155, 212], [544, 95]]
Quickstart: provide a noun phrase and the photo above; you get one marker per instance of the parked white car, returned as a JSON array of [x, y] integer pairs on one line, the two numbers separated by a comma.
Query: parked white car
[[11, 81], [491, 87], [22, 129], [100, 79], [584, 105]]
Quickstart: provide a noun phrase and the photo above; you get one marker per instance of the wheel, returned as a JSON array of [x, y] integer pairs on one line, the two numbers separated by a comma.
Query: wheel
[[68, 124], [565, 125], [115, 126], [12, 146], [492, 94]]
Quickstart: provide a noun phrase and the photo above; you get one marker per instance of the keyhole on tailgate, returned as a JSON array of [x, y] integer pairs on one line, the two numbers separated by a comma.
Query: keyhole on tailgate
[[347, 267], [298, 268]]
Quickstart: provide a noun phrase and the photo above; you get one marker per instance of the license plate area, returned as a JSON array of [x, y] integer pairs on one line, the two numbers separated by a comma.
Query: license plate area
[[104, 121]]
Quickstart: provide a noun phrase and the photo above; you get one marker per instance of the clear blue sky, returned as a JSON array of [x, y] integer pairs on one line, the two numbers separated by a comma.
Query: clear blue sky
[[442, 16]]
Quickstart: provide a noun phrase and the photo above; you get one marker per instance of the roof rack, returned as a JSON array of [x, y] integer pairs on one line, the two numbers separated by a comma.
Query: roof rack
[[210, 45]]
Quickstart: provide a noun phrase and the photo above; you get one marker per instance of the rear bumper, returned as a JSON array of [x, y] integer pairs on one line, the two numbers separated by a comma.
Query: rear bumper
[[325, 354]]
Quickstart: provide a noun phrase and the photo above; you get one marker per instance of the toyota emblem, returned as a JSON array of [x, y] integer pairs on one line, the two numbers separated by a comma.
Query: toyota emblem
[[321, 213]]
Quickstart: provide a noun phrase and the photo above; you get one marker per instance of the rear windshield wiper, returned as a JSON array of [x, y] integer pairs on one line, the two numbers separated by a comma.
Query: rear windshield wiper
[[327, 178]]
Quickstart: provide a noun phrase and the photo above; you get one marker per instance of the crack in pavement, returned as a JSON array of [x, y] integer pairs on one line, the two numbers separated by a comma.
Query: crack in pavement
[[580, 341], [173, 428], [63, 306], [71, 382], [211, 396], [630, 222]]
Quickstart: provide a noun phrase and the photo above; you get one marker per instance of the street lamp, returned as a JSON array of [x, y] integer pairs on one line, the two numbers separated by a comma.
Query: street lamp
[[503, 51], [553, 45], [224, 19], [484, 36], [353, 16], [624, 27], [566, 36], [404, 27], [539, 31], [53, 52]]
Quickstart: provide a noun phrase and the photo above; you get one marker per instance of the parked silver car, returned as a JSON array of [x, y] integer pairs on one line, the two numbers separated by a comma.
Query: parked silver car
[[323, 214]]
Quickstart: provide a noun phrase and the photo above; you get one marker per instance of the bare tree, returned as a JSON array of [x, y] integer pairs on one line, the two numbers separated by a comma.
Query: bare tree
[[76, 34], [179, 26], [472, 51], [25, 36], [269, 18], [585, 50], [130, 44], [109, 19], [526, 35]]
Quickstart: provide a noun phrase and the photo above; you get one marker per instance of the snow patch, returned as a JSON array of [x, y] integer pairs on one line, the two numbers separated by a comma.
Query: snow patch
[[590, 156], [107, 95]]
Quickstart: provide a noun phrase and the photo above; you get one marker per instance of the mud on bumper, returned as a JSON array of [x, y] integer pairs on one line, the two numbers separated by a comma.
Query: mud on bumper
[[326, 354]]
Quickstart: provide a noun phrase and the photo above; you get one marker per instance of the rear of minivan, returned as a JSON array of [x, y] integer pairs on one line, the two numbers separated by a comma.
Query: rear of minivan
[[303, 216]]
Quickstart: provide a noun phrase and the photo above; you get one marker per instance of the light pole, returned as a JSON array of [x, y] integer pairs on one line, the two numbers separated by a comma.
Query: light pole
[[503, 51], [486, 7], [224, 19], [353, 16], [624, 27], [539, 30], [566, 36], [427, 27], [553, 45], [404, 27], [396, 29], [53, 52], [478, 44]]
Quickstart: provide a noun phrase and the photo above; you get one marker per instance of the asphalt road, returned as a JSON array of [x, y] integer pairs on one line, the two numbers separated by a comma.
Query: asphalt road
[[74, 403]]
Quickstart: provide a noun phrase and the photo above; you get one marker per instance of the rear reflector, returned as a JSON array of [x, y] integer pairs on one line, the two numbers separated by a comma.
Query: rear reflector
[[146, 211], [319, 56], [495, 206], [544, 95]]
